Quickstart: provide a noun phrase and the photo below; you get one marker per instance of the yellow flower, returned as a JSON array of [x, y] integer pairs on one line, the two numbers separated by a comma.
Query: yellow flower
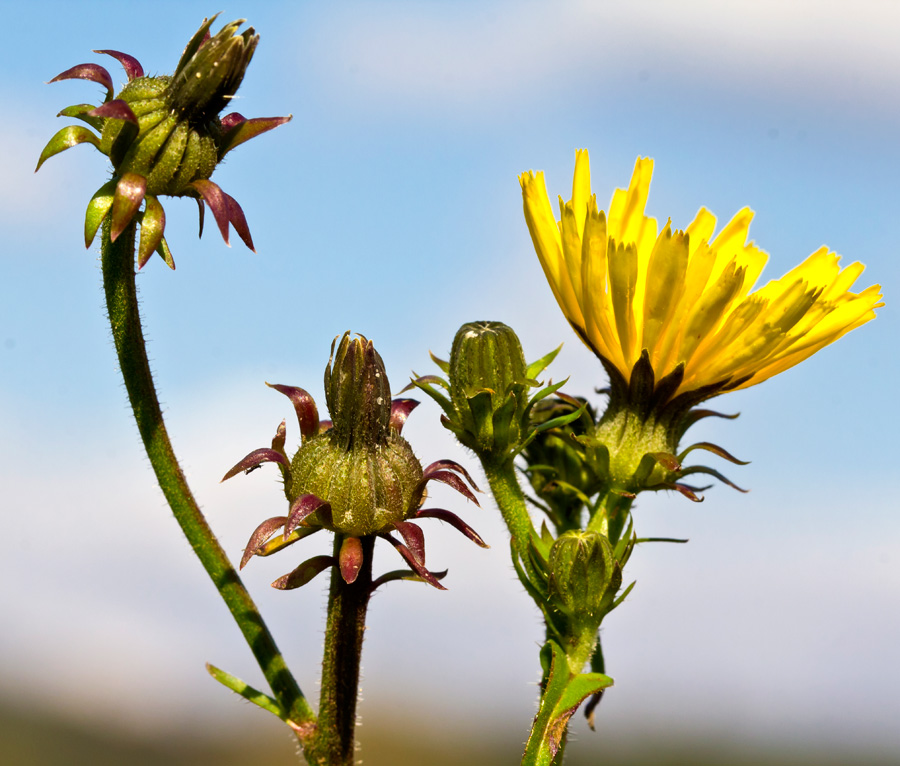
[[684, 296]]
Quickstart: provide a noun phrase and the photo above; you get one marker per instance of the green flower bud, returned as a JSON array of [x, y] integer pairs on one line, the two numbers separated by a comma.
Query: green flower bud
[[164, 136], [486, 356], [361, 466], [354, 475], [584, 577], [358, 393]]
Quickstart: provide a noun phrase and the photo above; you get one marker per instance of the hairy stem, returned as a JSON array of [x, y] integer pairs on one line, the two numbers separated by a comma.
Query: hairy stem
[[125, 321], [334, 744], [507, 492]]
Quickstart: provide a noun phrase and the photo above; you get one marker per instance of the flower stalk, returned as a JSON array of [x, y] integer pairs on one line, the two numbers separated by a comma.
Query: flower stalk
[[334, 744], [125, 321]]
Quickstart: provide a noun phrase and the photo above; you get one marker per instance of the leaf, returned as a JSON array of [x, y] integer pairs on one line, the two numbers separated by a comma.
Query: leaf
[[66, 139], [247, 692], [537, 367]]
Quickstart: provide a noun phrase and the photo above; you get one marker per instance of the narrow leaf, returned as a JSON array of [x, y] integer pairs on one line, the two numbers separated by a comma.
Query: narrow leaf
[[537, 367], [246, 691], [82, 112]]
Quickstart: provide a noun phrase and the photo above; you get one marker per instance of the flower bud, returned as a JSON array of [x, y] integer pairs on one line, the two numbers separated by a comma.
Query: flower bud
[[488, 388], [486, 356], [164, 136], [363, 468], [584, 577], [358, 393]]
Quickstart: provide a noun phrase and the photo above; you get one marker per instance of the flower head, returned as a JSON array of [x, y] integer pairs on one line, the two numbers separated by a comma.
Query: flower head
[[355, 474], [684, 297], [163, 136]]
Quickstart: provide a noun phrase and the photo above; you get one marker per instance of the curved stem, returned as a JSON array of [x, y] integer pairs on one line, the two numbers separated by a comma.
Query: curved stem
[[334, 743], [124, 318]]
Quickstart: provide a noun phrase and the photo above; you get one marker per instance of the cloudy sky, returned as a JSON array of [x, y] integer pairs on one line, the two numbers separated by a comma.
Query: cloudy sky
[[390, 206]]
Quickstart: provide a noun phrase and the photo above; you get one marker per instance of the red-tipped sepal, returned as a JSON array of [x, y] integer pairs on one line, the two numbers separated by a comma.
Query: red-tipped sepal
[[260, 536], [129, 195], [304, 406], [418, 568], [130, 64], [304, 573], [400, 410], [239, 129], [350, 559], [256, 459], [115, 110], [301, 508], [454, 521], [414, 538], [92, 72], [450, 479]]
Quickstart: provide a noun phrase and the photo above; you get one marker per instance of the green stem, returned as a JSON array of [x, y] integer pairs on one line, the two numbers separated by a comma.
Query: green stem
[[125, 321], [508, 495], [334, 743]]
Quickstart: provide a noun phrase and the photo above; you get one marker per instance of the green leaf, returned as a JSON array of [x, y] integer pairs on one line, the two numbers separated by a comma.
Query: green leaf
[[163, 249], [80, 112], [66, 139], [578, 689], [621, 598], [545, 392], [563, 693], [247, 692], [423, 385], [153, 224], [97, 210], [443, 364], [537, 367]]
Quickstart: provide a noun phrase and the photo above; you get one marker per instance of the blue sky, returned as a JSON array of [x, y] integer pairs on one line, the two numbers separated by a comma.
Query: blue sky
[[390, 206]]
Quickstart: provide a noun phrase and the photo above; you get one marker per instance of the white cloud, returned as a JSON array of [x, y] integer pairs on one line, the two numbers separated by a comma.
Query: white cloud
[[414, 55]]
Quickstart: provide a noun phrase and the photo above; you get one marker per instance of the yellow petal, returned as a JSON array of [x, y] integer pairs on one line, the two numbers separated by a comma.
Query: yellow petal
[[685, 297]]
